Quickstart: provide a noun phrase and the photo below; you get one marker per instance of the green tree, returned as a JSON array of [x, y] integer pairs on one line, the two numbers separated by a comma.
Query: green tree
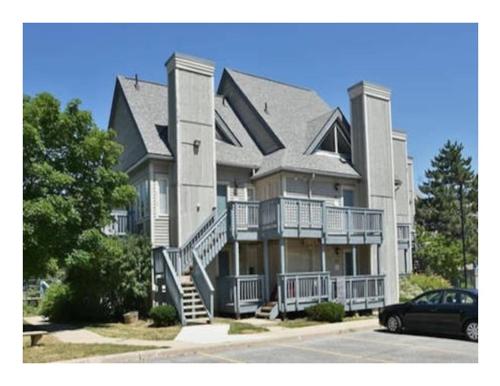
[[105, 277], [449, 206], [70, 183]]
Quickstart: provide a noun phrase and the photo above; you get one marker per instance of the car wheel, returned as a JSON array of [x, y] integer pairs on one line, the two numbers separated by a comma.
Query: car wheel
[[471, 330], [394, 323]]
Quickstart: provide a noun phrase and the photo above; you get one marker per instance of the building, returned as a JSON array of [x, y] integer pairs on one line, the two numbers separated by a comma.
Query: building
[[260, 197]]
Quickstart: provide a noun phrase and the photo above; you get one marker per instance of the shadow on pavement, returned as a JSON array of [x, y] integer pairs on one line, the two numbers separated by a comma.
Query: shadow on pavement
[[426, 334]]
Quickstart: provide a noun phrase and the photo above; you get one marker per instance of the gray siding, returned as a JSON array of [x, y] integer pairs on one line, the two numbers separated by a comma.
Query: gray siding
[[401, 174], [127, 133]]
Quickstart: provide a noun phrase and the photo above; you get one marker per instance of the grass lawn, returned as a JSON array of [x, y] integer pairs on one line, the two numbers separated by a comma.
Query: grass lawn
[[245, 328], [140, 330], [299, 322], [50, 349], [305, 322]]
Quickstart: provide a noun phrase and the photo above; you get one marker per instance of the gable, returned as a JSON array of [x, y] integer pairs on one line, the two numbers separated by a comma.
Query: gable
[[123, 123]]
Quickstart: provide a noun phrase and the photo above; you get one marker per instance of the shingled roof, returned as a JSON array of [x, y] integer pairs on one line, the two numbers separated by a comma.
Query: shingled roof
[[294, 114]]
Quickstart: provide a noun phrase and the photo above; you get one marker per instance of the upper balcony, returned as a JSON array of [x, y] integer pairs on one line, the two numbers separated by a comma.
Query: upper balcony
[[304, 218]]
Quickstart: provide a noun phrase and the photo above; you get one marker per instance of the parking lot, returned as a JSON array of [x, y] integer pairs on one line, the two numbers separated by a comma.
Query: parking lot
[[376, 346]]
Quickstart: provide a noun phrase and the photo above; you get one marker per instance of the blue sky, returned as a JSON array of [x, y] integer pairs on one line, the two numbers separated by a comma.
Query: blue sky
[[431, 68]]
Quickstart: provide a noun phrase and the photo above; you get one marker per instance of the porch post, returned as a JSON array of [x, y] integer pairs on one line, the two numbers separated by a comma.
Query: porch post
[[236, 261], [354, 261], [236, 258], [323, 256], [282, 255], [378, 259], [282, 270], [266, 271]]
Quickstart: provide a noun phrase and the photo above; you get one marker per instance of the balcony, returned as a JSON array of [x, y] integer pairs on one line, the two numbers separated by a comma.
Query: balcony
[[240, 294], [302, 218], [119, 225], [404, 238], [299, 290]]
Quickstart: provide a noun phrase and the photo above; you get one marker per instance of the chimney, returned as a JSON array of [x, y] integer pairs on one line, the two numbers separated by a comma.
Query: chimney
[[371, 138], [191, 135]]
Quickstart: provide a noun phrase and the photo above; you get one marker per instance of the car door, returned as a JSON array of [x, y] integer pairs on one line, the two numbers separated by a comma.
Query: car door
[[422, 313], [449, 312]]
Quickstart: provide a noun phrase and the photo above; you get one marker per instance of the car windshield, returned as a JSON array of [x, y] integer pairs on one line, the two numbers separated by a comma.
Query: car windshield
[[428, 298]]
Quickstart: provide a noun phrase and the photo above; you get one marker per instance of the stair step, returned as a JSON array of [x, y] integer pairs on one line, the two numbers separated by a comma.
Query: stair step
[[192, 315], [193, 307], [262, 315], [192, 301]]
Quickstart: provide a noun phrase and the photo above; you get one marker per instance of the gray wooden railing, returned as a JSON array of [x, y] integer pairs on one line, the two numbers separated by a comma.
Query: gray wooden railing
[[296, 291], [163, 266], [212, 242], [119, 225], [305, 215], [238, 292], [358, 291], [246, 215], [181, 257], [203, 285]]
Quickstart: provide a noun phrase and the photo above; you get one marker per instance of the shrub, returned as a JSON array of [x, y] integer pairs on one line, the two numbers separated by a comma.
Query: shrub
[[105, 278], [164, 315], [326, 312], [56, 304], [415, 284]]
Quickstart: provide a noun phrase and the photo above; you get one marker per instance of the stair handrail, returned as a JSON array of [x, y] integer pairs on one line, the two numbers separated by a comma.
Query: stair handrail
[[174, 287], [203, 285], [183, 253], [222, 217]]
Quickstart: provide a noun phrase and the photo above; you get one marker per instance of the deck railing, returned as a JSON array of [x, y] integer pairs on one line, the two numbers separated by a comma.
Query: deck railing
[[356, 291], [119, 225], [246, 215], [239, 292], [296, 291], [304, 215]]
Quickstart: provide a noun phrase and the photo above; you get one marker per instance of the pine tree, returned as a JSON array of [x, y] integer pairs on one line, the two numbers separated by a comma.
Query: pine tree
[[449, 205]]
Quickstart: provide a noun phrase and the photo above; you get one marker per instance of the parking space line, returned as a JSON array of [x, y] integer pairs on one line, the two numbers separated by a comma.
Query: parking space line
[[408, 345], [335, 353], [219, 357]]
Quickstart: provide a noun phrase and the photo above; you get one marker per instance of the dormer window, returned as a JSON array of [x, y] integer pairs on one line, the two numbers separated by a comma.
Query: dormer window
[[336, 141]]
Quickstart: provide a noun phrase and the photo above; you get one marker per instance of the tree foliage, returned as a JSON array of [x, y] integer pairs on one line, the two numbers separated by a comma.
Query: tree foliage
[[70, 183], [438, 213], [105, 277]]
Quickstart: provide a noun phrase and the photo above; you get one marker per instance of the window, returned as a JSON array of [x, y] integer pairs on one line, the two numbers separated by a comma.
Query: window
[[450, 297], [296, 187], [142, 200], [250, 193], [336, 141], [161, 194], [429, 298], [348, 196], [465, 298]]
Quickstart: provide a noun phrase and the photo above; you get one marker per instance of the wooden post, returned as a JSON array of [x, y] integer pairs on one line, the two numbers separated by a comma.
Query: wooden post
[[266, 271], [282, 255], [354, 261], [378, 259], [406, 260], [236, 268], [323, 256]]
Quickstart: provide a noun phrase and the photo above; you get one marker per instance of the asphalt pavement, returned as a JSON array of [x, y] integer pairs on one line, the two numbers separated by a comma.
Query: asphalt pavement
[[374, 346]]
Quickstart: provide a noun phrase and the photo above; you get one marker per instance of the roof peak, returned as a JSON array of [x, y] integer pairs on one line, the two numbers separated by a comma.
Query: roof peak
[[269, 79], [142, 80]]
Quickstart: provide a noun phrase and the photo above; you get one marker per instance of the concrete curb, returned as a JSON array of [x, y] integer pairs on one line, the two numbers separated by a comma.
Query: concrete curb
[[271, 337]]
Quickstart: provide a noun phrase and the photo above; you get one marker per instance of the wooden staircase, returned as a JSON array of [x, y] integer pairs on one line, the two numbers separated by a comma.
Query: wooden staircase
[[268, 311], [194, 310]]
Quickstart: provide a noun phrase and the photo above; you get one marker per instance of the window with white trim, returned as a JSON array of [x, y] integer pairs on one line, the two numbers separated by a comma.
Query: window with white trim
[[161, 184], [142, 200]]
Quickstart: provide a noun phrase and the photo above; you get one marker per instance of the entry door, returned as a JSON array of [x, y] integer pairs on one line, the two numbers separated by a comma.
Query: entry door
[[349, 266], [223, 263], [221, 198]]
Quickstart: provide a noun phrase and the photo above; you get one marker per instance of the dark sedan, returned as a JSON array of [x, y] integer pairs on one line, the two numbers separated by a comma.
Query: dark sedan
[[446, 311]]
